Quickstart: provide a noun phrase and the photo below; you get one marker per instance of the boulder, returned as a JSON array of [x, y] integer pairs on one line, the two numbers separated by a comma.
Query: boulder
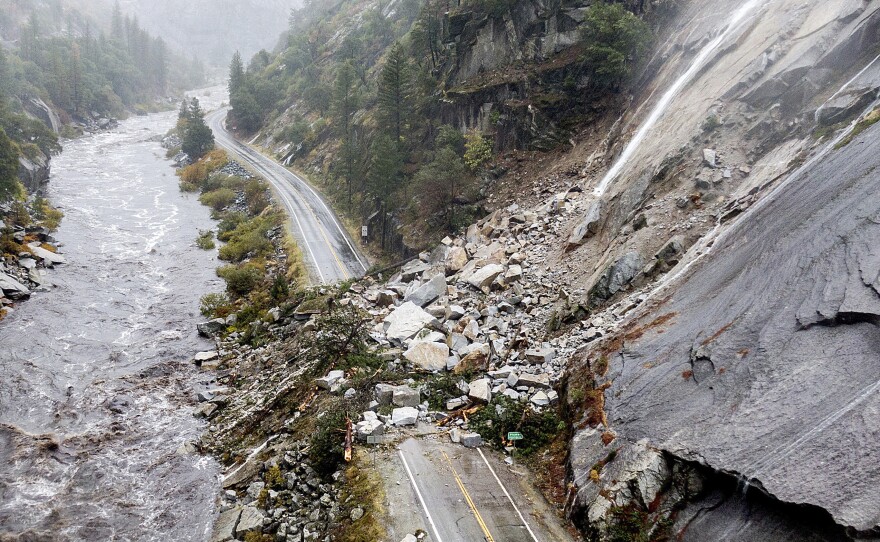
[[481, 390], [428, 356], [211, 328], [456, 259], [330, 381], [710, 157], [384, 394], [404, 416], [412, 269], [540, 355], [588, 226], [471, 440], [477, 360], [13, 289], [534, 381], [369, 428], [670, 252], [251, 520], [454, 312], [482, 278], [404, 396], [224, 527], [202, 357], [617, 276], [428, 292], [47, 256], [540, 399], [405, 321]]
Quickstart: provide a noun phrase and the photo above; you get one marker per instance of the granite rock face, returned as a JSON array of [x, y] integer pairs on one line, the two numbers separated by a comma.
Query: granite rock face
[[768, 361]]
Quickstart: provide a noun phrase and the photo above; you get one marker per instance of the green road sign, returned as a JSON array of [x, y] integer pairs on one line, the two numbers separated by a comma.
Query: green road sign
[[513, 435]]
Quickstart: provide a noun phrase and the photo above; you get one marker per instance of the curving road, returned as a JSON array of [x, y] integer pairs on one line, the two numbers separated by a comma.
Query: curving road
[[329, 253]]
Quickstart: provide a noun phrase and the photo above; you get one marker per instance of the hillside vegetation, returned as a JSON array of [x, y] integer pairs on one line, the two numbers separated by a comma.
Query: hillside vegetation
[[378, 104]]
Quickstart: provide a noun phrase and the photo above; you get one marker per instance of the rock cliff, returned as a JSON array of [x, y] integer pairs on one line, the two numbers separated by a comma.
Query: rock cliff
[[743, 393]]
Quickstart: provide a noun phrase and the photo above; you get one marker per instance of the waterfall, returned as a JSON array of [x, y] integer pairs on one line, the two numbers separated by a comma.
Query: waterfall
[[676, 87]]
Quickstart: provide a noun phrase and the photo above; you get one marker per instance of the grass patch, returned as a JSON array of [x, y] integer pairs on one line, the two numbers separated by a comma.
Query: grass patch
[[296, 264], [363, 489]]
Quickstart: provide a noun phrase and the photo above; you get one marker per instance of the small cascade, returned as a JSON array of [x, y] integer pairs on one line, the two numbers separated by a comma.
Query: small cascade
[[698, 63]]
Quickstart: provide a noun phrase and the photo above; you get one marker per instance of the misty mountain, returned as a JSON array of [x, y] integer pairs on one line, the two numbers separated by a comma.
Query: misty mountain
[[210, 29]]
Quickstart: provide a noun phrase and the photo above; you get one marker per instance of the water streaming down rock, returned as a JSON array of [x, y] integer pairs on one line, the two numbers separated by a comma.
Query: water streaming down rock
[[738, 18], [94, 403]]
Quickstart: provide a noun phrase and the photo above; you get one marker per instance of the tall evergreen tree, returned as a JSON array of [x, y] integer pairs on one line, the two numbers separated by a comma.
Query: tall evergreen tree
[[394, 92], [197, 138], [345, 104], [116, 30], [236, 74]]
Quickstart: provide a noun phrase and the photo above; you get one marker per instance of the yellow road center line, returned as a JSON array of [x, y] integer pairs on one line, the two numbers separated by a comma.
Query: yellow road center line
[[470, 502]]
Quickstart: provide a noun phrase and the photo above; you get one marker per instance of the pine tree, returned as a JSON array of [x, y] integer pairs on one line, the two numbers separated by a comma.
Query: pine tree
[[394, 92], [197, 138], [345, 104], [116, 25], [236, 74], [386, 166]]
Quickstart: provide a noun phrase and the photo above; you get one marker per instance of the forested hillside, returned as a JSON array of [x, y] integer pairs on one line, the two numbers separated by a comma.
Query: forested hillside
[[62, 56], [399, 109], [60, 72]]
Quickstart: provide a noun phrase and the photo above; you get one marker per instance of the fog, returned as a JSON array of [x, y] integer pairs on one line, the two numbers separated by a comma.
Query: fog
[[210, 29]]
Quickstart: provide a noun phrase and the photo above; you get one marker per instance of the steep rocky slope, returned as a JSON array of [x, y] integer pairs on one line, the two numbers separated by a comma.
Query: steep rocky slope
[[754, 363], [704, 267]]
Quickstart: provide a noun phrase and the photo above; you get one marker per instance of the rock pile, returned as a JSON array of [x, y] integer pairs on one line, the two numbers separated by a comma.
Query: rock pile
[[234, 169], [289, 499], [24, 273]]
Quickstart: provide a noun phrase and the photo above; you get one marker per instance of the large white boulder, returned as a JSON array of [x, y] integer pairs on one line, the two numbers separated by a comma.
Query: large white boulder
[[405, 321], [404, 416], [428, 356]]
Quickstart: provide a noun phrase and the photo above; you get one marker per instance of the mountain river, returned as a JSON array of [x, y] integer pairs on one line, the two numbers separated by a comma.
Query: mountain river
[[96, 385]]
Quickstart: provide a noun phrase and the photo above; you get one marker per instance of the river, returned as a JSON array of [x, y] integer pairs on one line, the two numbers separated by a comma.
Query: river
[[96, 384]]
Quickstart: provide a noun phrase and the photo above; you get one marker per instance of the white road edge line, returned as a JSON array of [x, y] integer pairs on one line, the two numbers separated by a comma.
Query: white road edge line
[[412, 481], [332, 215], [509, 498], [222, 124]]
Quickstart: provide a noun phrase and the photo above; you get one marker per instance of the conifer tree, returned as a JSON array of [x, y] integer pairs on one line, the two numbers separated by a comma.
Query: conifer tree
[[197, 138], [394, 92]]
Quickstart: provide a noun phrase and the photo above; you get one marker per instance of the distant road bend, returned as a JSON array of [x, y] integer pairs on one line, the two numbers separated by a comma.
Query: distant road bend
[[330, 254]]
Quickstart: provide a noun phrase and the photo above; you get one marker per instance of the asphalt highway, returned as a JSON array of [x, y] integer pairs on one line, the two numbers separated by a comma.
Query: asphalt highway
[[330, 254], [468, 495]]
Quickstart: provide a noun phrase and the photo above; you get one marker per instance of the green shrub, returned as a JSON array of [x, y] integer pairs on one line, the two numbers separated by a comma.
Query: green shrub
[[240, 279], [326, 446], [211, 305], [218, 199], [614, 40], [504, 415], [228, 223], [248, 244], [205, 240]]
